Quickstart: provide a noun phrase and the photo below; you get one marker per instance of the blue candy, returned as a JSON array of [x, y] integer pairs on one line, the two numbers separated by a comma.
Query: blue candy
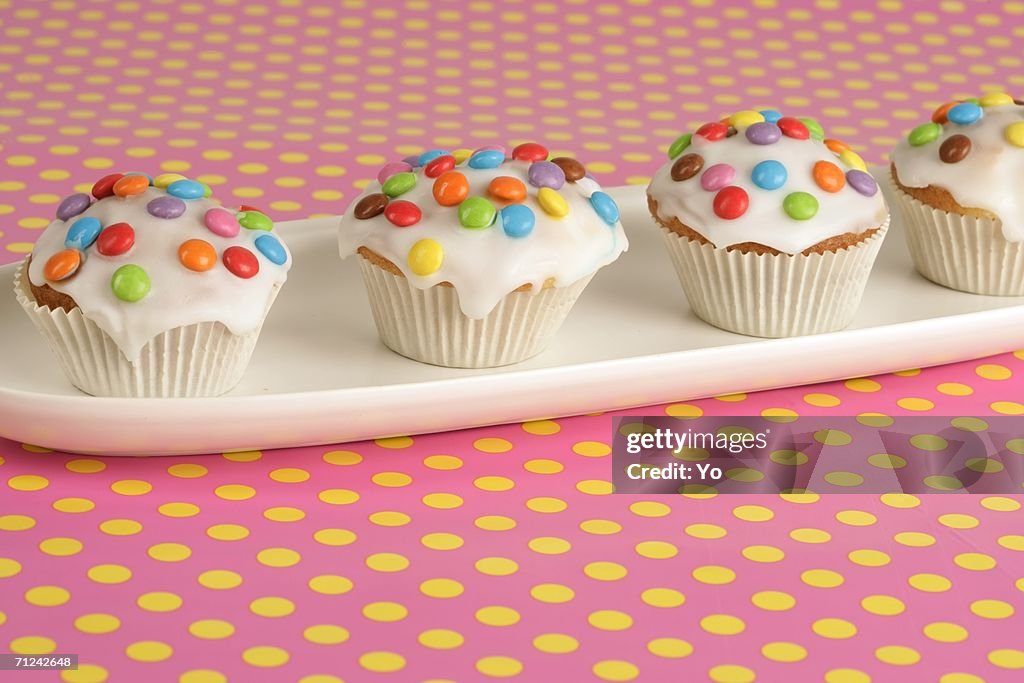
[[413, 160], [83, 233], [770, 115], [488, 158], [769, 175], [517, 220], [186, 189], [270, 247], [429, 156], [964, 113], [605, 207]]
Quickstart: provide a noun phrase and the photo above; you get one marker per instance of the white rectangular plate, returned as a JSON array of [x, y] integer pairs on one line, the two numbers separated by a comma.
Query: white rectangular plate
[[320, 375]]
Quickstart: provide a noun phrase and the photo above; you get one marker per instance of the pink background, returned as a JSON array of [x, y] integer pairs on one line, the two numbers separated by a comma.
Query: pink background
[[291, 106]]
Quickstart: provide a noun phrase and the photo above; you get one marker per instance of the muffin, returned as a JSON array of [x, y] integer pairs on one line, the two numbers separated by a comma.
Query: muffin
[[474, 259], [772, 228], [149, 288], [958, 182]]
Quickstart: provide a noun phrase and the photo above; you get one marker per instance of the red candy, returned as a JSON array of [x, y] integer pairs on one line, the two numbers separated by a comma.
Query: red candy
[[731, 202], [241, 262], [403, 213], [116, 239], [793, 128], [441, 164], [530, 151], [104, 187], [713, 131], [246, 207]]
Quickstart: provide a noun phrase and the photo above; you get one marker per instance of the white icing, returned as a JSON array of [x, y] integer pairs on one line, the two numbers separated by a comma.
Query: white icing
[[989, 178], [484, 265], [765, 221], [178, 296]]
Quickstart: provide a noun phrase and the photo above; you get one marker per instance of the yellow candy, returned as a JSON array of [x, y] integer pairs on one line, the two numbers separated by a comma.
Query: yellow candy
[[995, 99], [742, 119], [425, 257], [165, 179], [461, 155], [553, 203], [1015, 134], [853, 160]]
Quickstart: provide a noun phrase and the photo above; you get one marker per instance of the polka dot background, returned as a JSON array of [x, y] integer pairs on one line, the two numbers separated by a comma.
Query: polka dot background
[[494, 552]]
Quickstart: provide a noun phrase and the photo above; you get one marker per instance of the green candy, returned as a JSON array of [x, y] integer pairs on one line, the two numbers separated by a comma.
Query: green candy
[[815, 129], [476, 212], [130, 283], [800, 206], [254, 220], [399, 184], [681, 143], [925, 133]]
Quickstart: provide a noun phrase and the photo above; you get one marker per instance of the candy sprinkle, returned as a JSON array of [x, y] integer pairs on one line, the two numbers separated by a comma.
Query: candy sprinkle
[[813, 127], [605, 207], [441, 164], [507, 189], [793, 128], [546, 174], [769, 174], [425, 257], [731, 202], [163, 180], [477, 212], [828, 176], [166, 207], [197, 255], [995, 99], [530, 151], [716, 177], [221, 222], [184, 189], [853, 160], [254, 220], [742, 119], [241, 262], [429, 156], [925, 133], [487, 158], [450, 188], [680, 144], [800, 206], [399, 184], [370, 206], [572, 168], [104, 187], [272, 249], [1014, 134], [73, 205], [116, 239], [131, 185], [862, 182], [771, 115], [517, 220], [82, 233], [763, 133], [552, 202], [965, 113], [391, 169], [402, 213], [715, 130], [62, 265], [130, 283], [955, 149], [941, 114], [686, 166]]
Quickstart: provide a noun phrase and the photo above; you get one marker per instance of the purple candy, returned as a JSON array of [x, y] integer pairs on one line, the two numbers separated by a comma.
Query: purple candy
[[166, 207], [546, 174], [763, 133], [717, 177], [490, 148], [862, 182], [73, 205], [412, 161], [393, 168]]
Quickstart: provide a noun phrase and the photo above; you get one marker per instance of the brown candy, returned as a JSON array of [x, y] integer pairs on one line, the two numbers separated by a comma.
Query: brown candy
[[573, 169], [371, 205], [687, 166], [732, 131], [955, 148], [1020, 102]]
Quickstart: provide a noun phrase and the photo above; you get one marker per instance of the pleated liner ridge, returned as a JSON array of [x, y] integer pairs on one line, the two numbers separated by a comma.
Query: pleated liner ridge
[[427, 324], [773, 296], [961, 252], [204, 359]]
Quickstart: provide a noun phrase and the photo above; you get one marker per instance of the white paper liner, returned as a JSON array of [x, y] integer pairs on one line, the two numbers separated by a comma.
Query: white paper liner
[[205, 359], [763, 295], [427, 325], [961, 252]]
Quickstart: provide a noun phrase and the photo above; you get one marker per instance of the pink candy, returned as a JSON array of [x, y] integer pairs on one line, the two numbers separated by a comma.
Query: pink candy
[[716, 177], [221, 222], [391, 169]]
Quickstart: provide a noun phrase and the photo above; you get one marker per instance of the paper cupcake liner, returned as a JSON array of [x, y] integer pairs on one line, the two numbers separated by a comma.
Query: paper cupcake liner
[[961, 252], [763, 295], [205, 359], [428, 325]]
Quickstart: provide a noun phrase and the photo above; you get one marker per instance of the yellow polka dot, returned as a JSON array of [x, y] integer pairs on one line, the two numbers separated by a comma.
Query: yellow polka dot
[[9, 567], [683, 410], [149, 651], [605, 571], [992, 609], [85, 466], [265, 656], [159, 601], [338, 496], [284, 514], [897, 655], [714, 575], [993, 371], [234, 492], [442, 501], [958, 521], [278, 557], [807, 535], [656, 550], [663, 597], [822, 578], [930, 583], [120, 527], [773, 601], [243, 456], [706, 531], [219, 579], [187, 471], [442, 588], [32, 645], [289, 475], [591, 449], [169, 552], [978, 562], [914, 539], [442, 462], [731, 673], [556, 643], [387, 562], [499, 667], [822, 400], [867, 557], [227, 532], [649, 509], [856, 518], [546, 505], [610, 620], [493, 483], [1008, 407], [391, 479], [492, 445], [945, 632], [131, 487], [846, 676], [494, 523], [73, 505], [954, 389], [834, 629], [763, 553], [109, 573], [783, 652], [178, 510], [330, 584], [1007, 658], [902, 501], [615, 670], [722, 624], [670, 648], [28, 482], [1000, 504], [60, 546], [334, 537], [272, 607], [549, 545], [342, 458], [385, 611], [325, 634], [16, 522], [211, 629], [883, 605], [97, 624], [202, 676], [600, 527], [85, 673], [863, 385], [541, 427], [753, 513]]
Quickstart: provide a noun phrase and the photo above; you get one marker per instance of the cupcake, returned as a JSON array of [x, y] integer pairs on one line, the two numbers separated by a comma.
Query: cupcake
[[771, 228], [958, 182], [148, 288], [474, 259]]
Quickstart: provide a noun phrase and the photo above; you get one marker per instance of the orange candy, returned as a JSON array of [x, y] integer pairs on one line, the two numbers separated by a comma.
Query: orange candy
[[197, 255], [940, 115], [507, 188], [62, 265], [131, 185], [451, 188], [829, 176], [837, 146]]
